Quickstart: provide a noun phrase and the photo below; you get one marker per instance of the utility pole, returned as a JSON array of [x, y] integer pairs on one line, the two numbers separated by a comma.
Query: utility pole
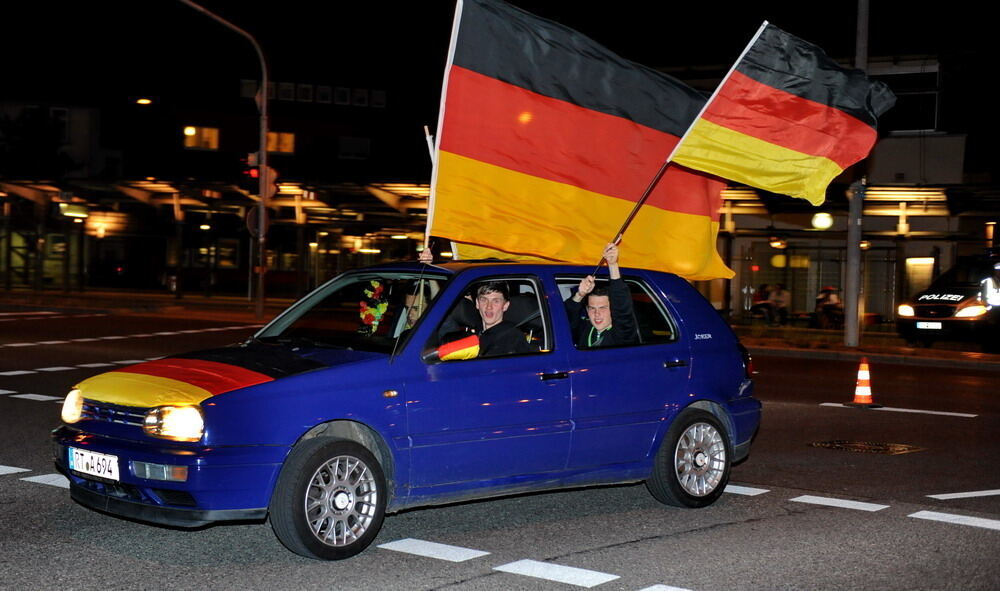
[[852, 280], [265, 181]]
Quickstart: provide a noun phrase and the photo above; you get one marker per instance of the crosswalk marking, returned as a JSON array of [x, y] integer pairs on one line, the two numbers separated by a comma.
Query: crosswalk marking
[[966, 495], [909, 410], [49, 479], [433, 550], [839, 503], [556, 572], [664, 588], [958, 519], [37, 397], [12, 470], [748, 491]]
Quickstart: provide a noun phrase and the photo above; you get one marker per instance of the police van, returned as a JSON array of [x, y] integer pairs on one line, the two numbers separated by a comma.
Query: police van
[[963, 304]]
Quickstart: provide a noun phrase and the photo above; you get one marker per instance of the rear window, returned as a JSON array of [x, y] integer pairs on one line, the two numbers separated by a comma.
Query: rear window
[[653, 323]]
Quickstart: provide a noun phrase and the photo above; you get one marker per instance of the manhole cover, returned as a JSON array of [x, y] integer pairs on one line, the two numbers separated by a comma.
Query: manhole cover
[[868, 447]]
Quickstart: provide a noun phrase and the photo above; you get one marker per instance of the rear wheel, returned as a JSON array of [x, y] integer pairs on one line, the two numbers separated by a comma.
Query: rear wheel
[[329, 501], [692, 467]]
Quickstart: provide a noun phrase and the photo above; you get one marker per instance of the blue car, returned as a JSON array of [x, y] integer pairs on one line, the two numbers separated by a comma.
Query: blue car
[[407, 385]]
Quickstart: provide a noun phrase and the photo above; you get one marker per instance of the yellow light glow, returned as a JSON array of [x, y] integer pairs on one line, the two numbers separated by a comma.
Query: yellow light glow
[[905, 310], [447, 253], [779, 261], [204, 227], [779, 243], [398, 236], [370, 250], [190, 131], [865, 245], [822, 221], [180, 423], [973, 311], [72, 408], [525, 118], [144, 101]]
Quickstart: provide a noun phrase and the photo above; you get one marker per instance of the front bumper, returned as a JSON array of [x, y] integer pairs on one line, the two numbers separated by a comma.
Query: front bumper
[[223, 483], [982, 329]]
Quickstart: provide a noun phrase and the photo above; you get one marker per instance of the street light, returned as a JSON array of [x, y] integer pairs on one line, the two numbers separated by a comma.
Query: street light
[[262, 158]]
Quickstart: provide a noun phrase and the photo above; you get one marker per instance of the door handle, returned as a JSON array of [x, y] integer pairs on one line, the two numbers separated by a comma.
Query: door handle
[[674, 363], [559, 375]]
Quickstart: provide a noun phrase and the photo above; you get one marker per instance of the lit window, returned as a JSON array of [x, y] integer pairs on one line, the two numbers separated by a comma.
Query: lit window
[[281, 142], [201, 138]]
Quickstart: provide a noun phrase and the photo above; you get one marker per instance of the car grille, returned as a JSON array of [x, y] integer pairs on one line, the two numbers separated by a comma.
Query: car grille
[[936, 311], [113, 413]]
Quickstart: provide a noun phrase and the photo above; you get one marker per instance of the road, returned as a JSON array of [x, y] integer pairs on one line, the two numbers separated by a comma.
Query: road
[[796, 516]]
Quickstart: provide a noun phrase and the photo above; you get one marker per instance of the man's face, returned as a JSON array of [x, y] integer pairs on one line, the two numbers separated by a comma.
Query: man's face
[[599, 311], [414, 308], [491, 306]]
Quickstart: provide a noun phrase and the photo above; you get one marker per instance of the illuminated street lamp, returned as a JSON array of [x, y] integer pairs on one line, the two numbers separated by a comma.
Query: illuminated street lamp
[[822, 221]]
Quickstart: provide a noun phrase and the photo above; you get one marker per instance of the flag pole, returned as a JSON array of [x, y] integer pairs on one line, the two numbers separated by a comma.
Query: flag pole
[[670, 157]]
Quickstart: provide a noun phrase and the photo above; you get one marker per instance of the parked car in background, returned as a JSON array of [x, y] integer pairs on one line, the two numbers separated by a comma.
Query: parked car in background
[[955, 307], [345, 408]]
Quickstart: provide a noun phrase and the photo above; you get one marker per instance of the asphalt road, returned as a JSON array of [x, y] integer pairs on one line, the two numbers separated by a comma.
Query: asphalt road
[[777, 529]]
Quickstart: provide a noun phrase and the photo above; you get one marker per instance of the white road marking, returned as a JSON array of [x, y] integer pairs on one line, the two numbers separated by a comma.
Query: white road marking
[[967, 495], [958, 519], [745, 490], [20, 344], [52, 342], [112, 338], [839, 503], [38, 397], [8, 392], [27, 313], [85, 340], [12, 470], [19, 372], [131, 336], [433, 550], [664, 588], [555, 572], [55, 368], [49, 479], [128, 361], [910, 410], [91, 365]]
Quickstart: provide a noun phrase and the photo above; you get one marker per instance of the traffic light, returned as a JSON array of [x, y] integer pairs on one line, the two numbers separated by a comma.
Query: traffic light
[[250, 174]]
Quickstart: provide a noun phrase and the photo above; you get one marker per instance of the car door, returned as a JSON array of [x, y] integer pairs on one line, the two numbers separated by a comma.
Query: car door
[[491, 418], [622, 394]]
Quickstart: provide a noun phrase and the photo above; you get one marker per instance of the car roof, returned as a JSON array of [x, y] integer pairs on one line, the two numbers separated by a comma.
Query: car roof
[[501, 266]]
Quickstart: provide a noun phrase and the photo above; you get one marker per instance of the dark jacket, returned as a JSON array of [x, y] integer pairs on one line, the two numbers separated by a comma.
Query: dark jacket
[[504, 338], [622, 330]]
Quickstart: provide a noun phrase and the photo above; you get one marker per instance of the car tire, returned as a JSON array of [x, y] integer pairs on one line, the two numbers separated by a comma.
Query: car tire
[[692, 466], [330, 499]]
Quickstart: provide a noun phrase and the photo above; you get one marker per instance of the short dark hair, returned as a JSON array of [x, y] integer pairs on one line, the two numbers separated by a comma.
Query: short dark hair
[[494, 286], [598, 291]]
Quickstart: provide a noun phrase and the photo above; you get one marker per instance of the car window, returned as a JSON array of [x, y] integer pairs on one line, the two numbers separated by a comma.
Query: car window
[[652, 322], [366, 311], [522, 326]]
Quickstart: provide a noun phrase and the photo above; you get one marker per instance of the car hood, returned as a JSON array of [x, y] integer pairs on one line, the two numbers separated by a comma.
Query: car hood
[[194, 377], [952, 294]]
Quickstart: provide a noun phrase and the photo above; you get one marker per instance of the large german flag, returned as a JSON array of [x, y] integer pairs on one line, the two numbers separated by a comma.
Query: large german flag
[[787, 119], [546, 140]]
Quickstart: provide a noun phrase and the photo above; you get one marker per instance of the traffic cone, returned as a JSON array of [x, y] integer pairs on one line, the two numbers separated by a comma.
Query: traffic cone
[[863, 389]]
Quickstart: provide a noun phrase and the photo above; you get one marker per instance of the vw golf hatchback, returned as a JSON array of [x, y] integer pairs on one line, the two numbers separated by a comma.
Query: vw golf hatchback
[[375, 394]]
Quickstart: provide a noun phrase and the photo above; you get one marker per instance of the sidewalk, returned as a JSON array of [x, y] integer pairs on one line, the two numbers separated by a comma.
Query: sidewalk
[[879, 347]]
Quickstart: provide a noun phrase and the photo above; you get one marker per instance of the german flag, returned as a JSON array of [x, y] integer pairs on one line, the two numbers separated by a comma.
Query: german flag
[[546, 140], [787, 119]]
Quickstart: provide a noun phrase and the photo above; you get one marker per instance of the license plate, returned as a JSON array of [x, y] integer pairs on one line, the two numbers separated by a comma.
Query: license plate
[[929, 325], [93, 463]]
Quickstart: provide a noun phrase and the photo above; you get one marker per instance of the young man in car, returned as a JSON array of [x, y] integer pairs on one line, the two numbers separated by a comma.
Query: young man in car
[[609, 310]]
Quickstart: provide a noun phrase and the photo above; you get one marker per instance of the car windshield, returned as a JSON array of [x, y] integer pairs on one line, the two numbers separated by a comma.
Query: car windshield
[[967, 272], [362, 311]]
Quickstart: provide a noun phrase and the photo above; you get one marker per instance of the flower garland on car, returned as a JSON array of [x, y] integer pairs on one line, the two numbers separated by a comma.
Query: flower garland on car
[[373, 307]]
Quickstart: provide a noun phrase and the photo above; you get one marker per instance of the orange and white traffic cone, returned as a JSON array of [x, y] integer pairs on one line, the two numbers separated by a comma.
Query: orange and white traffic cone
[[863, 389]]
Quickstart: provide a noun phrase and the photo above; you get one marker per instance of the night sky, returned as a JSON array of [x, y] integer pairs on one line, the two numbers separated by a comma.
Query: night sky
[[110, 51]]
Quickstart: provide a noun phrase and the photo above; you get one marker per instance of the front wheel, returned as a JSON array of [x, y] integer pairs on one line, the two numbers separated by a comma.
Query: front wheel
[[692, 467], [329, 501]]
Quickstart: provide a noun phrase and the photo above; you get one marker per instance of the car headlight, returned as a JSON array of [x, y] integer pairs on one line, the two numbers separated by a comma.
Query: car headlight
[[971, 311], [72, 408], [180, 423], [905, 310]]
